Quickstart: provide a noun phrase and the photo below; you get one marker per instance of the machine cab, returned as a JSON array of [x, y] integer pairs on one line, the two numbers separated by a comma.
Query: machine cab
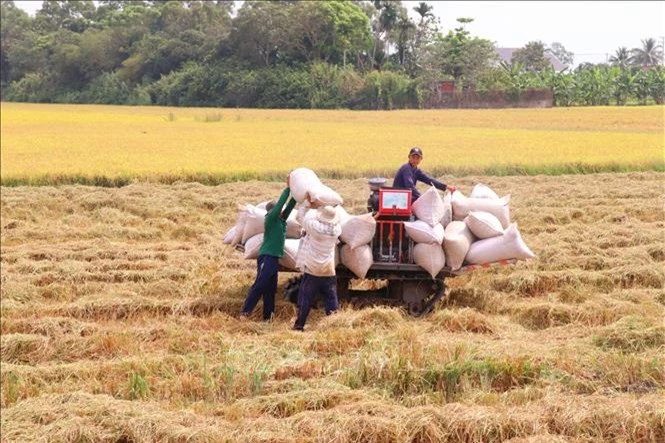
[[391, 207]]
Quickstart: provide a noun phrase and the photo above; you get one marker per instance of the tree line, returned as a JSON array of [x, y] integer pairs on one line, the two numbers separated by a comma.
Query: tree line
[[286, 54]]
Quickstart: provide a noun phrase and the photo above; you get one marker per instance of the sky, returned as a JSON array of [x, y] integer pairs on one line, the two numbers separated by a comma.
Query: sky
[[592, 30]]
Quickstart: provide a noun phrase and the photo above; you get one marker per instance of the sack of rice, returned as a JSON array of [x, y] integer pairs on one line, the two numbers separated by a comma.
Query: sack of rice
[[430, 257], [290, 253], [421, 232], [483, 224], [358, 230], [323, 195], [305, 184], [457, 240], [293, 228], [358, 260], [429, 207], [503, 247], [483, 191], [254, 222], [253, 246], [462, 205], [447, 209], [230, 234], [240, 225]]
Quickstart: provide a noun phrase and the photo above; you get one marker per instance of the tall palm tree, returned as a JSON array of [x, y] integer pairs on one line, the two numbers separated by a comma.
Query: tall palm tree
[[650, 54], [424, 10], [622, 58]]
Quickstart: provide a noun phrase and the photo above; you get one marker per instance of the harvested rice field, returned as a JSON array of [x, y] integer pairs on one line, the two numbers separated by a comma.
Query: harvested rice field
[[119, 305]]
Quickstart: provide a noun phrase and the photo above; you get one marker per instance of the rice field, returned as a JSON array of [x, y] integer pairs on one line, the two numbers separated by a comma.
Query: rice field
[[118, 309], [52, 144]]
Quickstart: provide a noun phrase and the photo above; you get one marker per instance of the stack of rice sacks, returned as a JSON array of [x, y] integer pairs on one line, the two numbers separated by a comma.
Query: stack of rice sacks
[[357, 230], [477, 230]]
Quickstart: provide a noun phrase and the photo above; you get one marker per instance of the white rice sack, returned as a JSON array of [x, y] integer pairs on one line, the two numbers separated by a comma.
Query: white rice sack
[[253, 246], [291, 246], [483, 191], [430, 257], [462, 205], [358, 230], [358, 260], [304, 184], [447, 209], [301, 181], [263, 205], [458, 238], [504, 247], [293, 228], [254, 222], [429, 207], [240, 225], [230, 234], [343, 215], [322, 195], [422, 232], [483, 224]]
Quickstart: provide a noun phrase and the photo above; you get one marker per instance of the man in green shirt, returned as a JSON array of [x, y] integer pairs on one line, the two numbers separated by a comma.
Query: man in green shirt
[[272, 249]]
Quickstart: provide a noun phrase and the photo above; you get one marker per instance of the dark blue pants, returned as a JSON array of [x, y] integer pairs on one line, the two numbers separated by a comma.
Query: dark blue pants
[[265, 286], [310, 286]]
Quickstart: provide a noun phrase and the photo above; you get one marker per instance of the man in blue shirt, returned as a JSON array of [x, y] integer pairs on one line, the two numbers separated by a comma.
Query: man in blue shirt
[[409, 173]]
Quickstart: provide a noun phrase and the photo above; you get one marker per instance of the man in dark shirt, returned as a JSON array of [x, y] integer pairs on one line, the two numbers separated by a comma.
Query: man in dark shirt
[[271, 251], [409, 173]]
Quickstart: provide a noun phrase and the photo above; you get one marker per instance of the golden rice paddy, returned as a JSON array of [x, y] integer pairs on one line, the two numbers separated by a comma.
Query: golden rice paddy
[[51, 144]]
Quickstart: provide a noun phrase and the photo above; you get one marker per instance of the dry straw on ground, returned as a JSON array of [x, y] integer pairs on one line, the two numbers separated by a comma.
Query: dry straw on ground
[[118, 324]]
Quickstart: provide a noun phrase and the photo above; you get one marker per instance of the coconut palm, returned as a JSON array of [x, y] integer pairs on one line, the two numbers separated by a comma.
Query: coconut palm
[[621, 58], [650, 54], [424, 11]]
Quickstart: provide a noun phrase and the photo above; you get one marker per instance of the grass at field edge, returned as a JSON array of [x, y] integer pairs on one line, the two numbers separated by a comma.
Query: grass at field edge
[[213, 179]]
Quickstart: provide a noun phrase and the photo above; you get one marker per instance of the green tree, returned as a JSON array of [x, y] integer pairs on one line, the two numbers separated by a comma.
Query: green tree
[[650, 54], [622, 58], [532, 57], [460, 56], [559, 51], [14, 29]]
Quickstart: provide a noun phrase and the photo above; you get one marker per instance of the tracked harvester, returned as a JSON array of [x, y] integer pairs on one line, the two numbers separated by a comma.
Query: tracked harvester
[[400, 280]]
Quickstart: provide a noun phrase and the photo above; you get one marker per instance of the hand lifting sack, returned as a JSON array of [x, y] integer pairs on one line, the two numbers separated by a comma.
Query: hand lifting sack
[[230, 234], [358, 230], [358, 260], [447, 209], [458, 238], [483, 224], [421, 232], [429, 207], [291, 246], [503, 247], [254, 222], [483, 191], [253, 246], [303, 183], [462, 205], [430, 257]]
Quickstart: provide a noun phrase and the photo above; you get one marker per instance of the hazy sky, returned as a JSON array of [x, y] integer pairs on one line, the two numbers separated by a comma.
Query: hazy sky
[[591, 30]]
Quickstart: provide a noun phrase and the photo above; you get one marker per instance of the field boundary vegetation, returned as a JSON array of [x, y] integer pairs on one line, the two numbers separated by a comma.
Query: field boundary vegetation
[[214, 179]]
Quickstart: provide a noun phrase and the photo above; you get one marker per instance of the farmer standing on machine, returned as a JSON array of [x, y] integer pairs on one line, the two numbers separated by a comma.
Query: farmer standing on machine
[[409, 173]]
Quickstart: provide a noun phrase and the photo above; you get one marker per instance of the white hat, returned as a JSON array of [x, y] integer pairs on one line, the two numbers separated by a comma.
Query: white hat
[[327, 214]]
